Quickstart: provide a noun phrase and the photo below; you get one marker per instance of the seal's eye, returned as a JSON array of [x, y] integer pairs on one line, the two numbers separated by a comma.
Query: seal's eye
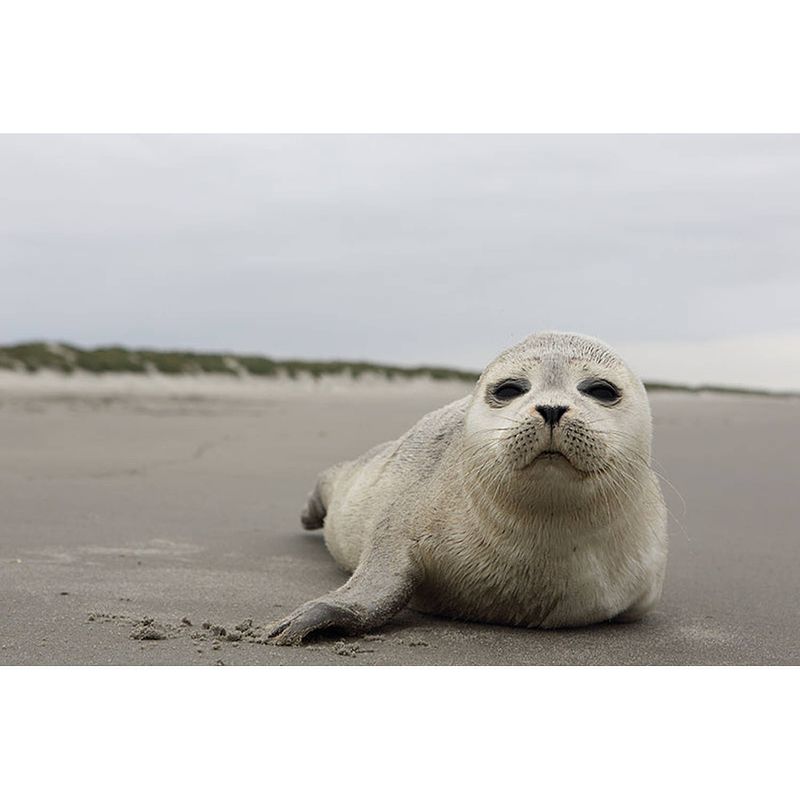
[[601, 390], [508, 390]]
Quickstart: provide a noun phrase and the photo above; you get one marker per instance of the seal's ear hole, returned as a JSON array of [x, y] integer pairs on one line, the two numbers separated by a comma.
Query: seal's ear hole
[[600, 389], [509, 389]]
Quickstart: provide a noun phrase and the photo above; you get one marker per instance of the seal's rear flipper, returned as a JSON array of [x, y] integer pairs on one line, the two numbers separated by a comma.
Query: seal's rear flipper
[[313, 514]]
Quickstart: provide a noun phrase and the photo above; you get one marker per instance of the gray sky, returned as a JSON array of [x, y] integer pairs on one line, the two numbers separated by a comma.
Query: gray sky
[[680, 251]]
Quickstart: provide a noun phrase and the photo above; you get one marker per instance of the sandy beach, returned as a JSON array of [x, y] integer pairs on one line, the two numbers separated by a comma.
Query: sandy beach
[[134, 510]]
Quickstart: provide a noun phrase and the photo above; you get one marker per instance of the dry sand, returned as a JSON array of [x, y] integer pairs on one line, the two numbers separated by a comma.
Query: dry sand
[[155, 521]]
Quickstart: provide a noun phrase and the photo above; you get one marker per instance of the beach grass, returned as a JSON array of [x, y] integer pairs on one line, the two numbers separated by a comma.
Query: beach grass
[[66, 358]]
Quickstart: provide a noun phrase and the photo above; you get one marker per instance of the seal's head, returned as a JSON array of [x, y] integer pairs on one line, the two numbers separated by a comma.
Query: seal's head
[[559, 416]]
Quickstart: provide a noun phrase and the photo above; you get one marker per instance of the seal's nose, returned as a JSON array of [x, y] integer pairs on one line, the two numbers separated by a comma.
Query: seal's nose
[[552, 414]]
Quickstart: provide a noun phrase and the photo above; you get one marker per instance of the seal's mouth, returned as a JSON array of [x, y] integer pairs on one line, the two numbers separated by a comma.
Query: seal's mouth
[[557, 459], [551, 455]]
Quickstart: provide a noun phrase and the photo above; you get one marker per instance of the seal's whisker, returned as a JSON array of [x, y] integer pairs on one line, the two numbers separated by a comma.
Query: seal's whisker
[[663, 478]]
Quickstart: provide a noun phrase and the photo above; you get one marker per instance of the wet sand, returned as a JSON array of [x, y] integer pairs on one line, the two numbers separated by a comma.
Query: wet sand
[[131, 517]]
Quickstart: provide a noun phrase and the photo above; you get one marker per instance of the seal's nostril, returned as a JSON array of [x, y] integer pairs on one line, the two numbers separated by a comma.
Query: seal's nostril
[[552, 414]]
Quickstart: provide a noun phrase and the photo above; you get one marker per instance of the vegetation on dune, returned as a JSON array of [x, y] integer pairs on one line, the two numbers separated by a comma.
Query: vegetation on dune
[[65, 358], [108, 359], [35, 356], [653, 386]]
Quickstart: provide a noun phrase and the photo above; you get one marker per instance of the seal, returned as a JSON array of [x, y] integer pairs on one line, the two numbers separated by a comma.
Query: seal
[[530, 502]]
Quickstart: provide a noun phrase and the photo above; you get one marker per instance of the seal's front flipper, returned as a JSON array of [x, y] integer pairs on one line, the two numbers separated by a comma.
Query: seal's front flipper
[[318, 615], [380, 587]]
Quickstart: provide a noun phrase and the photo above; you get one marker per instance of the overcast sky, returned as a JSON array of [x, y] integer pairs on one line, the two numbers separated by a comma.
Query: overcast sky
[[682, 252]]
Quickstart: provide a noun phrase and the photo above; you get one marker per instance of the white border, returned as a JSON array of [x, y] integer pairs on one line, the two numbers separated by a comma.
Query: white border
[[432, 65], [426, 732]]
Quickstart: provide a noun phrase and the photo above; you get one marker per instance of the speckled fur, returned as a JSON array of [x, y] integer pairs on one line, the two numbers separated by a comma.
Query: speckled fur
[[459, 517]]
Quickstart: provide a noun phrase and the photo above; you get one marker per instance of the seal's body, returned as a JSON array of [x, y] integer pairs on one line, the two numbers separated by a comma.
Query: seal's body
[[530, 502]]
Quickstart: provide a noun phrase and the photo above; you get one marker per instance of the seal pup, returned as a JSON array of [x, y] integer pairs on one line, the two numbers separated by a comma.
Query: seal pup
[[530, 502]]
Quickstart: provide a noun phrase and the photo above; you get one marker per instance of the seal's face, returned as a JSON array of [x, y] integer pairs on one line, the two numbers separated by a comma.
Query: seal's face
[[558, 411]]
